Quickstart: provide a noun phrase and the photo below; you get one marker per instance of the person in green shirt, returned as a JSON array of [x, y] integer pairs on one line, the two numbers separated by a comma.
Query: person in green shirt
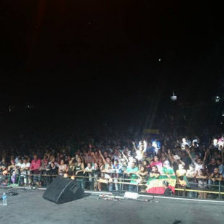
[[131, 173], [167, 169]]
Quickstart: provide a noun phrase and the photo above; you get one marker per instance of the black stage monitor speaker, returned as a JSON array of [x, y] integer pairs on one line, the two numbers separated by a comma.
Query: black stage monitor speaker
[[63, 190]]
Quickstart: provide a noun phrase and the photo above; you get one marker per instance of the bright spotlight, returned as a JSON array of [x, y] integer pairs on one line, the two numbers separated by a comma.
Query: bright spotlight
[[173, 97], [217, 99]]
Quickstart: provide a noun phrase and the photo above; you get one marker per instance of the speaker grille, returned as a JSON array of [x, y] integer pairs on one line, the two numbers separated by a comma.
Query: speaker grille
[[63, 190]]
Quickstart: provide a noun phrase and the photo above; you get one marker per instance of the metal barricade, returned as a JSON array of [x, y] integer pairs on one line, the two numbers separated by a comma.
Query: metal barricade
[[119, 184]]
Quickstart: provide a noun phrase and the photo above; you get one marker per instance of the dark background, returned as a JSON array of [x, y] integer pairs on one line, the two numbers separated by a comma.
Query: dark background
[[97, 63]]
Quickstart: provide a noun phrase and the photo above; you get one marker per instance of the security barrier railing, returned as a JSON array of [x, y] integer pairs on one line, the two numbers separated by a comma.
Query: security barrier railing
[[117, 184]]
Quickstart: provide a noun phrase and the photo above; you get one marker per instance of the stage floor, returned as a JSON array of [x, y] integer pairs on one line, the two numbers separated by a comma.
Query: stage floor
[[28, 207]]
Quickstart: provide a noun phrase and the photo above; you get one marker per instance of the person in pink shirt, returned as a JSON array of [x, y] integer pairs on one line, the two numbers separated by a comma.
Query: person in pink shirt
[[156, 162], [35, 170]]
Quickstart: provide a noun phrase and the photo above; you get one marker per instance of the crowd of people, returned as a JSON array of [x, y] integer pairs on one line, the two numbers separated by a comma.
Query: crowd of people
[[145, 166]]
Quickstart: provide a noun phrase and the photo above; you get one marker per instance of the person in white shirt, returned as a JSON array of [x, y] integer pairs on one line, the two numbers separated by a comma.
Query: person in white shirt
[[88, 171], [17, 159], [191, 173], [25, 170], [199, 163], [62, 168], [19, 163], [141, 150]]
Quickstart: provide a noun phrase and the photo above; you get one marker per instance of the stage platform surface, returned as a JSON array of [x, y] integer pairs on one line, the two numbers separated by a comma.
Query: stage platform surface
[[28, 207]]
